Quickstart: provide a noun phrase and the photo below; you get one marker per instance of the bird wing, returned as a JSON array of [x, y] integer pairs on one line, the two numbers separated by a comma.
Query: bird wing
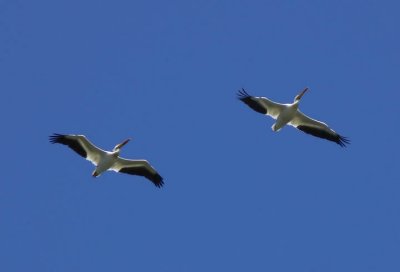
[[81, 145], [261, 104], [138, 167], [317, 129]]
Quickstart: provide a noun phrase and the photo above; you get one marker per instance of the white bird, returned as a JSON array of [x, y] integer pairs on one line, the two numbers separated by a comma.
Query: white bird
[[108, 160], [290, 114]]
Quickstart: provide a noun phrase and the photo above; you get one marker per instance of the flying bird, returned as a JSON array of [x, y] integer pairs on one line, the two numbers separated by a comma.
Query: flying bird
[[107, 160], [290, 114]]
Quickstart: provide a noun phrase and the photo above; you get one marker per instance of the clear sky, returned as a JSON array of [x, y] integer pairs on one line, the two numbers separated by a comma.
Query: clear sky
[[237, 196]]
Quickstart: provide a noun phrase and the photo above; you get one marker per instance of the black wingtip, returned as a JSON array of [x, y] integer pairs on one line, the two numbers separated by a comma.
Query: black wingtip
[[328, 135], [56, 138], [252, 102], [158, 181], [71, 143], [343, 141], [242, 94]]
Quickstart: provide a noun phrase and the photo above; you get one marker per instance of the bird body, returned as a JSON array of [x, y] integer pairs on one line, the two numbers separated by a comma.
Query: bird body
[[290, 114], [108, 160], [286, 115], [105, 163]]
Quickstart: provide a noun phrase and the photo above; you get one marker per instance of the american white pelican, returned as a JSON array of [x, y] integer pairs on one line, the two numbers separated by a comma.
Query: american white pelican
[[290, 114], [107, 160]]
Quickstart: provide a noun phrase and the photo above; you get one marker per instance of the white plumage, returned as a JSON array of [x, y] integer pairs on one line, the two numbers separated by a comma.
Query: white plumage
[[108, 160], [290, 114]]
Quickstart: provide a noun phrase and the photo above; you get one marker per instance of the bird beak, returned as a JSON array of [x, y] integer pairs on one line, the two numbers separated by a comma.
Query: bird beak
[[123, 143], [300, 95]]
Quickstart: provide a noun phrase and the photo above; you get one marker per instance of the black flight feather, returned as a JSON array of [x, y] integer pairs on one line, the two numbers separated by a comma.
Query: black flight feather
[[251, 102], [331, 136], [155, 178], [73, 144]]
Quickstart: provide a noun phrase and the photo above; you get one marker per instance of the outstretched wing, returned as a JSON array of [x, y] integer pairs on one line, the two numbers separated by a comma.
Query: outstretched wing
[[140, 168], [317, 129], [261, 104], [80, 144]]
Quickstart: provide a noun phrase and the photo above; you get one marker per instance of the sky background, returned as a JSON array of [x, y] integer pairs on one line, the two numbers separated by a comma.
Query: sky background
[[237, 196]]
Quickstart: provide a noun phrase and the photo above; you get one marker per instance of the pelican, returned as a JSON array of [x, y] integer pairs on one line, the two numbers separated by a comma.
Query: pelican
[[107, 160], [290, 114]]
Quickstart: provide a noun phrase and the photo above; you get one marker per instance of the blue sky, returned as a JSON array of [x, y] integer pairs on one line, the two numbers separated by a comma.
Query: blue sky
[[237, 196]]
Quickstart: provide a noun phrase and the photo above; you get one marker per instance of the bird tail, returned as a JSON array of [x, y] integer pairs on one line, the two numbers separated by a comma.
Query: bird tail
[[274, 128]]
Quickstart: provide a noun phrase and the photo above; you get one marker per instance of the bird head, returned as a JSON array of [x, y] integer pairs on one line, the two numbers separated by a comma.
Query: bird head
[[300, 95], [119, 146]]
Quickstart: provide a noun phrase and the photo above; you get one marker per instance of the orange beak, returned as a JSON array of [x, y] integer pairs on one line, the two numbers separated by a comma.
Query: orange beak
[[118, 146], [300, 95]]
